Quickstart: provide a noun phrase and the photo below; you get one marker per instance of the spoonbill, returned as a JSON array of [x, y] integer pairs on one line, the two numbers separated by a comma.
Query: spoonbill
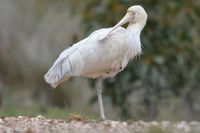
[[102, 54]]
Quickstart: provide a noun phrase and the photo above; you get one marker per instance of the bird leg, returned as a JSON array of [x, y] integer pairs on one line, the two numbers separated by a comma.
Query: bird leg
[[99, 92]]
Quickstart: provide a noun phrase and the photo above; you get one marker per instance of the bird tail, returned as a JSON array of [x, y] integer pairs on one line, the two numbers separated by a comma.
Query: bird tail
[[57, 74], [53, 81]]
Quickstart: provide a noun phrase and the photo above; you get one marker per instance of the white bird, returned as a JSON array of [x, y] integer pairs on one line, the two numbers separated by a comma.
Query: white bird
[[102, 54]]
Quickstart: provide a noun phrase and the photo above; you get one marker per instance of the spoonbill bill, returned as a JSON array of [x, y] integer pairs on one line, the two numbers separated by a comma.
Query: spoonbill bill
[[102, 54]]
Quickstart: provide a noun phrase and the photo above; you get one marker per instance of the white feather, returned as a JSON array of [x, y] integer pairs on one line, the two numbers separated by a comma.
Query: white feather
[[95, 57], [92, 58]]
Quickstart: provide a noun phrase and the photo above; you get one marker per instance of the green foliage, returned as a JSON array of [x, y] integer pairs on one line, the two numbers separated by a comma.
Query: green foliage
[[35, 109], [169, 68], [169, 65]]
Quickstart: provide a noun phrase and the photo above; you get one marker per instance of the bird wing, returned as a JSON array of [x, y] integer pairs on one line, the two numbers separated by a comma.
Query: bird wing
[[88, 56], [56, 73]]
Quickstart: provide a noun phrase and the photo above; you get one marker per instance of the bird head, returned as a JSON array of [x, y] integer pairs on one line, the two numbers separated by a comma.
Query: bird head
[[135, 15]]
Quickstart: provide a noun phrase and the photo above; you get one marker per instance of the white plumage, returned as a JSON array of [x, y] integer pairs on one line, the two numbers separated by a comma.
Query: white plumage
[[94, 58], [102, 54]]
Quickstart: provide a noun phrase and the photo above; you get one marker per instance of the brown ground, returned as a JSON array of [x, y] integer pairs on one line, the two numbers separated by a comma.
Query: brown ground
[[40, 124]]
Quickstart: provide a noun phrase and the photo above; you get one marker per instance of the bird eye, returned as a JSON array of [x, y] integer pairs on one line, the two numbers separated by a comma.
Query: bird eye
[[133, 13]]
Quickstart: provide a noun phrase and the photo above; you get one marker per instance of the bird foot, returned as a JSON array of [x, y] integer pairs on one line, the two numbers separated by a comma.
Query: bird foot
[[102, 119], [105, 120]]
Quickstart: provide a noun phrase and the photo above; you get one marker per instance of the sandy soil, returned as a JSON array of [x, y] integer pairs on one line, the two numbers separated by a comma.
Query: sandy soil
[[40, 124]]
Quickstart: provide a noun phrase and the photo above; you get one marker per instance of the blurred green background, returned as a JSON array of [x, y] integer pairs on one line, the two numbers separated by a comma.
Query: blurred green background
[[161, 84]]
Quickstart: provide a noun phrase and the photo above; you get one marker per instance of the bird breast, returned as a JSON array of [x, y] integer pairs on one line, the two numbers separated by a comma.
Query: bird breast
[[108, 56]]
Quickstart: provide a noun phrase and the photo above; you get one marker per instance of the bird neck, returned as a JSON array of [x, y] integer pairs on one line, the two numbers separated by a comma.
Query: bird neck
[[135, 28]]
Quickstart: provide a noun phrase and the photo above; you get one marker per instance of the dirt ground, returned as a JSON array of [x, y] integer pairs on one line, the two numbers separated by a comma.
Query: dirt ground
[[40, 124]]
